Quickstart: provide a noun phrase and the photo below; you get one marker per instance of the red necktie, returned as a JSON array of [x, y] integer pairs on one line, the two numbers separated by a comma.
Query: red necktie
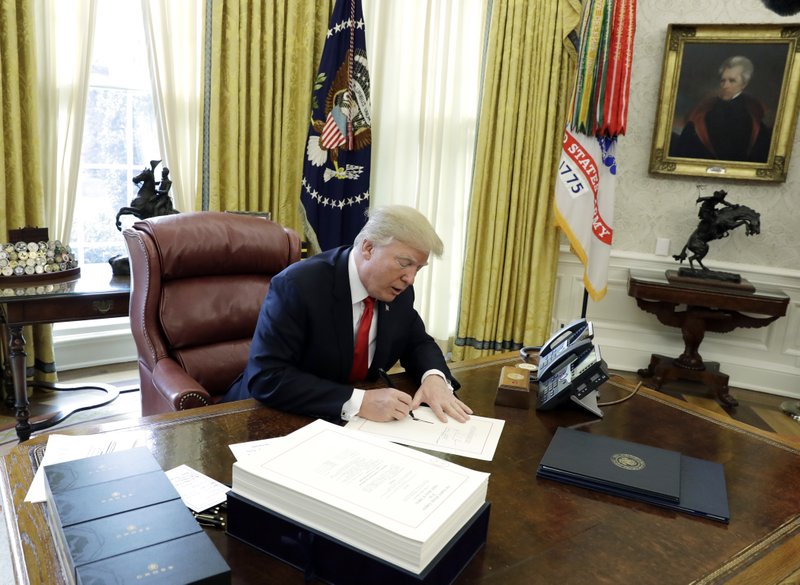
[[361, 350]]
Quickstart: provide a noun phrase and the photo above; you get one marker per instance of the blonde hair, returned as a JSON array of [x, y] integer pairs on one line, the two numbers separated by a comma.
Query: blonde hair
[[401, 223]]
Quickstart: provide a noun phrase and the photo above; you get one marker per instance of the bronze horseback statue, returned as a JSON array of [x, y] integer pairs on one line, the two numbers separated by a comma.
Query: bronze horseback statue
[[716, 223], [153, 198]]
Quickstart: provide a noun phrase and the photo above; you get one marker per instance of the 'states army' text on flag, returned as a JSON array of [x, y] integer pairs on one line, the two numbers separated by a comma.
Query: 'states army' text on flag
[[597, 114], [585, 204]]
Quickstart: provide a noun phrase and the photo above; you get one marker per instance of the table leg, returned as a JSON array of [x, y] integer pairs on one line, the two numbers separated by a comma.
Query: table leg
[[15, 376], [693, 330], [8, 379], [719, 381], [664, 369], [650, 372], [17, 357]]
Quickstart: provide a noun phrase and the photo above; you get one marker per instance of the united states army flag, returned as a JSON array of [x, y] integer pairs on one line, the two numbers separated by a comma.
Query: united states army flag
[[585, 204]]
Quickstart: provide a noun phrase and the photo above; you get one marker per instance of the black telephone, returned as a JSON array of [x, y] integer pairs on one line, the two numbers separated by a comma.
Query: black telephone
[[564, 346], [575, 382]]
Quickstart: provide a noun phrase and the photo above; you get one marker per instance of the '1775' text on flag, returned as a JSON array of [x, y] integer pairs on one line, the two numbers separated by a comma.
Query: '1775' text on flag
[[585, 204], [335, 189]]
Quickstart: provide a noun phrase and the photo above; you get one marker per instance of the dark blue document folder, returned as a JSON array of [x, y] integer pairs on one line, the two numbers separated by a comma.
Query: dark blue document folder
[[640, 472]]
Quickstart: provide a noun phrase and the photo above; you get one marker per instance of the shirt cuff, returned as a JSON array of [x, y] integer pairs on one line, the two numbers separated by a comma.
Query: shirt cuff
[[352, 406], [440, 374]]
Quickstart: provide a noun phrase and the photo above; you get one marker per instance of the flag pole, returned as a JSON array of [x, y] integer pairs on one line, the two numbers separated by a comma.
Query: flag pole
[[585, 303]]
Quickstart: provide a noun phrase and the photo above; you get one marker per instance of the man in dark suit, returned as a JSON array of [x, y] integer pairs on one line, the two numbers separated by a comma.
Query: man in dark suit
[[301, 359]]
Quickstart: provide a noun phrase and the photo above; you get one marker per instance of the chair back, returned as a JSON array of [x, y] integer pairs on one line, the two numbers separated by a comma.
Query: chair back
[[197, 284]]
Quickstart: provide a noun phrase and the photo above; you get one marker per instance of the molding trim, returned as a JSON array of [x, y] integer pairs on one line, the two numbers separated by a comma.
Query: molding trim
[[83, 344]]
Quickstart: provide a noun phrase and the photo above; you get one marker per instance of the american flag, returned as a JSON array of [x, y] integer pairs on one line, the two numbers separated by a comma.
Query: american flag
[[332, 136]]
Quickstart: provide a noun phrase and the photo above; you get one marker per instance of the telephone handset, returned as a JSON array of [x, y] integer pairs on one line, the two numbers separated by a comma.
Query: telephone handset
[[572, 332], [564, 346], [568, 344], [576, 382]]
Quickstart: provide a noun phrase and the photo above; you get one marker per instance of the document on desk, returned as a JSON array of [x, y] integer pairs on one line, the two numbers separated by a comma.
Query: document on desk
[[198, 491], [476, 438], [61, 448], [251, 448]]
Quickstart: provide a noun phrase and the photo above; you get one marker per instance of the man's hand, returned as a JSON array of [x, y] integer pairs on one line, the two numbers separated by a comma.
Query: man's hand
[[385, 404], [435, 393]]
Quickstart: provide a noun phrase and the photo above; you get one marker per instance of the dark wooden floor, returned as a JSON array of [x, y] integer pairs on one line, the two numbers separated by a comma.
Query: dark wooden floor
[[755, 408]]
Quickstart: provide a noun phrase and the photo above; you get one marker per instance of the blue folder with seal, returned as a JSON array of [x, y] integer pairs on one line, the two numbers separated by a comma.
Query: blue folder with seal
[[639, 472]]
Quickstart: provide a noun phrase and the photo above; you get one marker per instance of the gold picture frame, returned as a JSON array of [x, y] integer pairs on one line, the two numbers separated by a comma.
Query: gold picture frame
[[704, 128]]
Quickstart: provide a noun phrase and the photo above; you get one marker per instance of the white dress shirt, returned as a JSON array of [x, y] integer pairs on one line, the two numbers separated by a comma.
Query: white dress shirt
[[358, 293]]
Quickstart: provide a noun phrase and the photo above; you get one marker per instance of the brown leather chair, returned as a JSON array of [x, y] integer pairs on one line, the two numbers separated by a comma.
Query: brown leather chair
[[197, 284]]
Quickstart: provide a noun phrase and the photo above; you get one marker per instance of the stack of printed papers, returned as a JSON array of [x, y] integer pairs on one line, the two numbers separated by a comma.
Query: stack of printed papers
[[393, 502]]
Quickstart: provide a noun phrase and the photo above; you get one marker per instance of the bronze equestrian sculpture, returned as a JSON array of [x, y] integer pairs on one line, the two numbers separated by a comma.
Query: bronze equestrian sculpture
[[152, 200], [716, 223], [149, 201]]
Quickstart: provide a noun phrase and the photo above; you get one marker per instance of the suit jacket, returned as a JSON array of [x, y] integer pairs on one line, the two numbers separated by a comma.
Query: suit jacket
[[302, 350]]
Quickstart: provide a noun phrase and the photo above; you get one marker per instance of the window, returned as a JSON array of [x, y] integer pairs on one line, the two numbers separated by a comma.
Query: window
[[119, 137]]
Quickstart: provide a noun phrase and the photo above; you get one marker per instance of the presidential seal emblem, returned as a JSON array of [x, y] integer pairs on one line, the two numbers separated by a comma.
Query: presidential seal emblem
[[628, 462]]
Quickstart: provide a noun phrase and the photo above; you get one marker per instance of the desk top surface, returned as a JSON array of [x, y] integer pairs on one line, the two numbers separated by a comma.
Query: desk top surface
[[540, 531], [93, 280]]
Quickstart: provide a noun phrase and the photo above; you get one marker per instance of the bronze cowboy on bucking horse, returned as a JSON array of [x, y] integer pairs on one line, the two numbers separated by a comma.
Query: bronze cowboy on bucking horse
[[716, 223]]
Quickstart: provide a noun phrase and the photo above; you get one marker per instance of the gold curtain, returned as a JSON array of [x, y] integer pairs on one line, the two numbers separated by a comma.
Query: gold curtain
[[264, 57], [21, 192], [512, 241]]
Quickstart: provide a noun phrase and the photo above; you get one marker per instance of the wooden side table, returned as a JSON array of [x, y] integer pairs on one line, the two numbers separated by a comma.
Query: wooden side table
[[95, 294], [695, 309]]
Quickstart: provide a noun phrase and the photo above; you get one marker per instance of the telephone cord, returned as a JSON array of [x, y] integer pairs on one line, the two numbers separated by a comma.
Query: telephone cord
[[618, 385]]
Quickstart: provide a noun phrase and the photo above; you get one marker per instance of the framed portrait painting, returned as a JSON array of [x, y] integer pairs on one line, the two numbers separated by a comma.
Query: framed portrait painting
[[728, 101]]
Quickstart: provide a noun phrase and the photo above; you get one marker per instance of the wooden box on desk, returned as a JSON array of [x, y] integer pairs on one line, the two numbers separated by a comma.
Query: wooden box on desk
[[332, 561], [514, 388]]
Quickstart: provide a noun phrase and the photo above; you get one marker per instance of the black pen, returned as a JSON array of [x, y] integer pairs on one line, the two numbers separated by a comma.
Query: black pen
[[382, 373]]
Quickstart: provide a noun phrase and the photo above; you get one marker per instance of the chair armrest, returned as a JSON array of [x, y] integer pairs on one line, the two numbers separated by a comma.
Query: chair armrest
[[177, 388]]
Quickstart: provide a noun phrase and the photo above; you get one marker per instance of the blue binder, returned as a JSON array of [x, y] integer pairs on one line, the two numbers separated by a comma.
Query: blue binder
[[639, 472]]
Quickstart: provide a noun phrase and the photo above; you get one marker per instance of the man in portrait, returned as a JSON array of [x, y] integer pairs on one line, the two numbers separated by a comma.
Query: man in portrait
[[729, 125]]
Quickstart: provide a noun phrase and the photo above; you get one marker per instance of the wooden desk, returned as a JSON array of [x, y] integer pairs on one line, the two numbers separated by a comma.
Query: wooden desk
[[95, 294], [706, 309], [540, 531]]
